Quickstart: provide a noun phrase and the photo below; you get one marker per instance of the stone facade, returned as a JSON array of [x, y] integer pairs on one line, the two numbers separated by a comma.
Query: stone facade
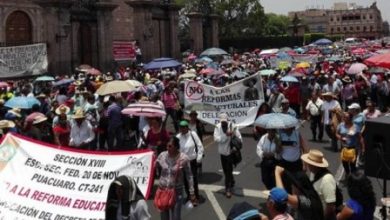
[[345, 20], [82, 31]]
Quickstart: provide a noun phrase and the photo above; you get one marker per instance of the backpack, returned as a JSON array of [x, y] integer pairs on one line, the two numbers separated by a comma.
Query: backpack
[[339, 194]]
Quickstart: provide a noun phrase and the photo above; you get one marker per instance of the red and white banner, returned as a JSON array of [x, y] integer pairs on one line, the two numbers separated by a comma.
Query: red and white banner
[[123, 50], [38, 181]]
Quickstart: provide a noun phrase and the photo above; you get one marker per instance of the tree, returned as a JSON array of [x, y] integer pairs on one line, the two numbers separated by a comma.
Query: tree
[[277, 24]]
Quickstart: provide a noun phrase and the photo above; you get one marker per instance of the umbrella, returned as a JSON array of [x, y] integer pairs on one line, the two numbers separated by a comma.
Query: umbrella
[[227, 62], [303, 65], [134, 83], [323, 42], [63, 82], [381, 60], [289, 79], [243, 211], [359, 51], [204, 59], [276, 121], [269, 51], [213, 52], [93, 71], [148, 109], [3, 84], [187, 76], [239, 74], [211, 71], [22, 102], [356, 68], [267, 72], [115, 86], [334, 58], [284, 65], [378, 70], [83, 67], [283, 56], [297, 74], [200, 107], [285, 49], [162, 63], [44, 78], [299, 50]]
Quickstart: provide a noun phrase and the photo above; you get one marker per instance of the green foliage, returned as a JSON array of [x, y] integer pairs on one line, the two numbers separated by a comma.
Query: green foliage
[[276, 24]]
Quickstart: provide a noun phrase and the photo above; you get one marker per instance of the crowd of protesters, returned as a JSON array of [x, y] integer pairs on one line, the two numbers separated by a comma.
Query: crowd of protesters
[[73, 115]]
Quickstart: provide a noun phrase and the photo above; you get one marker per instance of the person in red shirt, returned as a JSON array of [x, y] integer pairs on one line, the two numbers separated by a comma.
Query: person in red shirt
[[61, 131], [293, 94]]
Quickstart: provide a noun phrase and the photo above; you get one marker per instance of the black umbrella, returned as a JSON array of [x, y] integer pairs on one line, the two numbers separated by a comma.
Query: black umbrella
[[242, 211]]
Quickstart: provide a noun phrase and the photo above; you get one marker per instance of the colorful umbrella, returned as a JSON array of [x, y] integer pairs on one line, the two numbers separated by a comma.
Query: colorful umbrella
[[267, 72], [93, 71], [213, 52], [3, 84], [115, 86], [356, 68], [162, 63], [63, 82], [289, 79], [276, 121], [303, 65], [382, 60], [147, 109], [359, 51], [44, 78], [323, 42], [22, 102]]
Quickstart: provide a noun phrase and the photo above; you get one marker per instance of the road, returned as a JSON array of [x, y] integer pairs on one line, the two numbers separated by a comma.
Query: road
[[248, 180]]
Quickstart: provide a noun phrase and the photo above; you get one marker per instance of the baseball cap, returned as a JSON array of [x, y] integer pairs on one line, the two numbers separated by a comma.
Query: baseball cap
[[354, 106], [278, 195], [183, 123]]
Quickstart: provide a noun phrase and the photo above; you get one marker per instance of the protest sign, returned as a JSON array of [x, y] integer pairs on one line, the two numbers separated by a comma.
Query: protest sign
[[23, 61], [123, 50], [38, 181], [240, 100]]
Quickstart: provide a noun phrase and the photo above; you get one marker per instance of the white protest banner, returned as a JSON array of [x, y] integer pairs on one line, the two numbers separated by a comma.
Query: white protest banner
[[38, 181], [240, 100], [22, 61]]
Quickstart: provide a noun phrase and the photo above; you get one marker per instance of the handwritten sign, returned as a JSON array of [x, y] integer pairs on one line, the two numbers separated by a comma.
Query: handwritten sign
[[22, 61]]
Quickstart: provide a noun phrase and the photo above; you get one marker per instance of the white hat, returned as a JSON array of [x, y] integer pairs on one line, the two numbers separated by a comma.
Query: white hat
[[354, 106], [223, 117]]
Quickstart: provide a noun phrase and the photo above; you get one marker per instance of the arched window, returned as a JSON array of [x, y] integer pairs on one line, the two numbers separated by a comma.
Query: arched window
[[18, 29]]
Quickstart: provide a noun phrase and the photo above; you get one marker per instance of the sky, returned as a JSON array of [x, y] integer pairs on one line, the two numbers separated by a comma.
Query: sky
[[284, 6]]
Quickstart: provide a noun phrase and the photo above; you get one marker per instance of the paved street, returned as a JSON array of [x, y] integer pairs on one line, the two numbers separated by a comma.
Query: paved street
[[248, 180]]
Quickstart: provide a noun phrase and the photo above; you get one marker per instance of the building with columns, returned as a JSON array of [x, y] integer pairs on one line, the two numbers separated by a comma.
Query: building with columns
[[83, 31]]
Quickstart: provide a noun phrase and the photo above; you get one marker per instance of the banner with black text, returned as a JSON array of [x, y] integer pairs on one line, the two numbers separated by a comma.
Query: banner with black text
[[38, 181], [240, 100]]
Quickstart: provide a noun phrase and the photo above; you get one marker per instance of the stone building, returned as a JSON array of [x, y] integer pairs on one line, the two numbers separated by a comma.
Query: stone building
[[356, 22], [83, 31], [347, 20]]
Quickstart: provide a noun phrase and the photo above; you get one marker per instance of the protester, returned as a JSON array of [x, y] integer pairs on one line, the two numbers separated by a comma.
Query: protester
[[170, 100], [115, 122], [269, 157], [304, 197], [350, 136], [81, 132], [173, 165], [371, 111], [62, 128], [361, 204], [277, 205], [156, 136], [125, 201], [323, 181], [223, 132], [314, 108], [329, 109], [286, 108]]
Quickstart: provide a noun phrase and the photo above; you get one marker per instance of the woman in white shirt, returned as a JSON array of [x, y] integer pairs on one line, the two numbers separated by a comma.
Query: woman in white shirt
[[267, 150]]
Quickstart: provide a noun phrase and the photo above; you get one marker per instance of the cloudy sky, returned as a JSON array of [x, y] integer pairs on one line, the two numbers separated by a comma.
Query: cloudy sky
[[284, 6]]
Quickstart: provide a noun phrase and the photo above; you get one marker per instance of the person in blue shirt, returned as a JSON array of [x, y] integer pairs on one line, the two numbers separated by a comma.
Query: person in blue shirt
[[362, 202]]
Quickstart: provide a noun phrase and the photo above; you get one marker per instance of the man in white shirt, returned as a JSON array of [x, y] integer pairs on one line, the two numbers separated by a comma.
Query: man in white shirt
[[323, 181], [329, 107], [191, 145], [314, 108], [81, 133], [222, 135]]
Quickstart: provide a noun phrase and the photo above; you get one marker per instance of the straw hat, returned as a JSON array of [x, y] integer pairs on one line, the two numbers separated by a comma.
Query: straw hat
[[6, 124], [315, 158], [329, 94], [347, 79], [16, 112], [62, 109], [43, 96], [79, 114], [38, 119]]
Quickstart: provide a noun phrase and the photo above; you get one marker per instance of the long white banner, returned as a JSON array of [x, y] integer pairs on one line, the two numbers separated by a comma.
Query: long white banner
[[240, 100], [23, 61], [38, 181]]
